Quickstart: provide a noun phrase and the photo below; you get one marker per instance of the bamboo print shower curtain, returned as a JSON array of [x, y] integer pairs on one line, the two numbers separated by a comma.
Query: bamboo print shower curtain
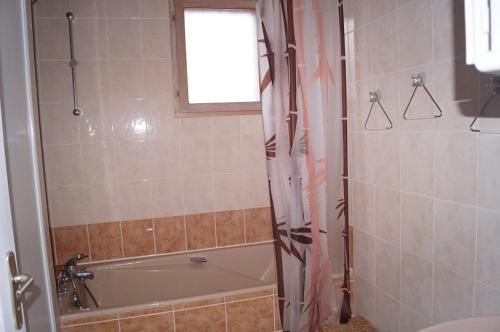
[[296, 80]]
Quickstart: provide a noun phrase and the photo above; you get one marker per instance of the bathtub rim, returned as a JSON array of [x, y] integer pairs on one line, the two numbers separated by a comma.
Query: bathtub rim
[[125, 260]]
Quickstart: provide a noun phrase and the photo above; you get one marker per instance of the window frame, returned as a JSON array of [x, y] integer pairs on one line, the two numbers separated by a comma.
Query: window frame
[[182, 106]]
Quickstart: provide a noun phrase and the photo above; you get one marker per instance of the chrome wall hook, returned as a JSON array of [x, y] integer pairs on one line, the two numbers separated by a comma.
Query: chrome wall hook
[[418, 80], [494, 88], [375, 99]]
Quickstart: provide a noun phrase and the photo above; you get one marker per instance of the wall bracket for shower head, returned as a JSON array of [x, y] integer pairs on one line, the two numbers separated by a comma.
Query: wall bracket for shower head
[[494, 88], [418, 80], [375, 99]]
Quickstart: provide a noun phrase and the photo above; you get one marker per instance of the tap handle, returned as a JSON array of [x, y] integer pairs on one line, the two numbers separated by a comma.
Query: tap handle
[[73, 260]]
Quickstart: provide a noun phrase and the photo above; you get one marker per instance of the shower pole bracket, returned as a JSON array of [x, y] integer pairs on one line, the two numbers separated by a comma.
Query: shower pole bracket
[[73, 63]]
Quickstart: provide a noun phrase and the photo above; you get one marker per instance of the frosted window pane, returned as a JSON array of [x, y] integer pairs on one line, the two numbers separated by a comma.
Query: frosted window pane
[[221, 54]]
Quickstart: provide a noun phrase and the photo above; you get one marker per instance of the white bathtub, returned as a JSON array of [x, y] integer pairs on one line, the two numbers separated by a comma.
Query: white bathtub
[[477, 324], [170, 279]]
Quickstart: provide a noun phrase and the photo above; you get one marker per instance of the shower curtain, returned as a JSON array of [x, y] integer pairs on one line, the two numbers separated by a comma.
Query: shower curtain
[[295, 48]]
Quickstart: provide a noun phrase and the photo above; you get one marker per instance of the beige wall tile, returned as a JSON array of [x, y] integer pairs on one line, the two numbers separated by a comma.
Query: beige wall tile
[[228, 192], [487, 302], [98, 163], [63, 164], [55, 79], [124, 39], [453, 295], [52, 38], [387, 268], [258, 225], [105, 241], [230, 227], [255, 189], [489, 177], [381, 7], [154, 9], [411, 321], [59, 126], [122, 8], [449, 28], [138, 238], [417, 222], [166, 197], [383, 44], [70, 241], [455, 237], [134, 200], [227, 126], [198, 194], [89, 34], [51, 8], [387, 215], [66, 205], [125, 78], [361, 63], [250, 315], [165, 158], [363, 157], [251, 125], [387, 312], [201, 303], [362, 207], [417, 174], [95, 122], [227, 153], [170, 234], [416, 284], [387, 163], [363, 258], [132, 161], [200, 231], [101, 202], [415, 38], [93, 83], [155, 38], [196, 156], [253, 154], [488, 248], [207, 318], [129, 120], [161, 322], [363, 299], [89, 8], [456, 164]]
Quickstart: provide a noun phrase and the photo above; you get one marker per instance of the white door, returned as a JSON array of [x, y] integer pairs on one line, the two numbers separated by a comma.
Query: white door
[[21, 210], [7, 317]]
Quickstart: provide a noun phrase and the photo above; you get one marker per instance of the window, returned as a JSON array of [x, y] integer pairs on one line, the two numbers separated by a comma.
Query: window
[[216, 57]]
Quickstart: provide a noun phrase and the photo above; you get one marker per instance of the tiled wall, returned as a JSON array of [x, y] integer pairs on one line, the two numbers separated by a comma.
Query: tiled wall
[[248, 312], [425, 200], [127, 157], [133, 238]]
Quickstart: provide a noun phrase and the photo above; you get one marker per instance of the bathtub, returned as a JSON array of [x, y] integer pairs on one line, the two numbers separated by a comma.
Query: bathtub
[[476, 324], [146, 284]]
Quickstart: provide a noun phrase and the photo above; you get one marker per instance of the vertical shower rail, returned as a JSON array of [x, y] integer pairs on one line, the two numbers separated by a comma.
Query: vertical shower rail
[[73, 63]]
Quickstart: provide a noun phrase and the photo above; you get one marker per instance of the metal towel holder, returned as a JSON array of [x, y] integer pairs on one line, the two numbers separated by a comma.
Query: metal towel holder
[[494, 87], [375, 99], [72, 63], [418, 81]]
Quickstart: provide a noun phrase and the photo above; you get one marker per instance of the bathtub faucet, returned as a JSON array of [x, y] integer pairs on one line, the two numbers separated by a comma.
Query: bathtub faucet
[[75, 277]]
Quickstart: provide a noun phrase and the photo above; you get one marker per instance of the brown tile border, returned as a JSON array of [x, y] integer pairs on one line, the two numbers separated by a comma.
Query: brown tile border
[[175, 234]]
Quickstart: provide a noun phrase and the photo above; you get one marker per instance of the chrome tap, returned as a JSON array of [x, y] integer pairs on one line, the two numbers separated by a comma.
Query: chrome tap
[[71, 273]]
